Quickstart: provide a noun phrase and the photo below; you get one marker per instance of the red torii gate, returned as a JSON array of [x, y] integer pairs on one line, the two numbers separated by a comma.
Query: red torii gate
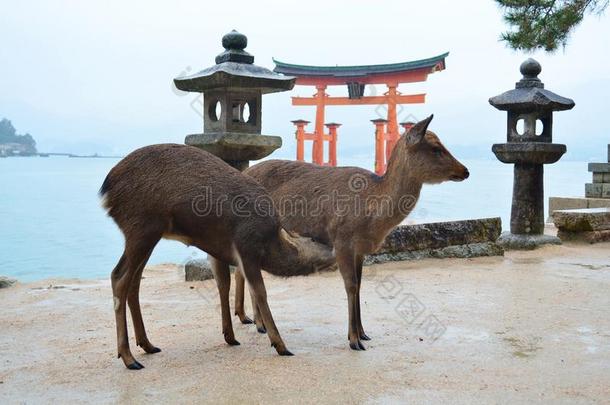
[[356, 78]]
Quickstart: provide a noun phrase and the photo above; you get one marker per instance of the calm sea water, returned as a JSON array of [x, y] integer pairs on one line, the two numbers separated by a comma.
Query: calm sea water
[[52, 224]]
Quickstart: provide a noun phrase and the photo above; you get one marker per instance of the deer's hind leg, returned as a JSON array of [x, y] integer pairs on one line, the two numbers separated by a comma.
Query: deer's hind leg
[[135, 255], [133, 299], [239, 297]]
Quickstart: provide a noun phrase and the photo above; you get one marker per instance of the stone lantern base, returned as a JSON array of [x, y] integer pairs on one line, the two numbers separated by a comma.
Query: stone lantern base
[[511, 241]]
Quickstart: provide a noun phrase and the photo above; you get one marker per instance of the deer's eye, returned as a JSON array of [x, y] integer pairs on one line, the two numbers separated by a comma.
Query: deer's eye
[[438, 152]]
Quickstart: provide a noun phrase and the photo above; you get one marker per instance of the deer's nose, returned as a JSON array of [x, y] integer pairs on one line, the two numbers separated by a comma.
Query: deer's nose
[[466, 173]]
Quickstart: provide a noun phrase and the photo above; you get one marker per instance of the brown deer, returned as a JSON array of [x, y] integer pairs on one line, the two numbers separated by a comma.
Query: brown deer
[[183, 193], [372, 206]]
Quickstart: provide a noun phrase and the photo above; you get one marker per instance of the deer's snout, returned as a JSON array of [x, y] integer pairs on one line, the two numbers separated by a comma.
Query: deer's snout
[[461, 176]]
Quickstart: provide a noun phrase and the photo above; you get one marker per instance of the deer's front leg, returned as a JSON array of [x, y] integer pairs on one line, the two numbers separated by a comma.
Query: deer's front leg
[[252, 272], [348, 268], [359, 262], [222, 275]]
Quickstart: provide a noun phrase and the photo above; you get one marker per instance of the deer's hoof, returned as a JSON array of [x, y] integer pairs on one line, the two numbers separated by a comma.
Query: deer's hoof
[[246, 321], [285, 352], [356, 346], [261, 329], [151, 350], [363, 336], [135, 366], [231, 341]]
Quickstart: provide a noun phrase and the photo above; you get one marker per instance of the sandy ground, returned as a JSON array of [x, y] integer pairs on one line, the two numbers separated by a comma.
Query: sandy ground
[[532, 326]]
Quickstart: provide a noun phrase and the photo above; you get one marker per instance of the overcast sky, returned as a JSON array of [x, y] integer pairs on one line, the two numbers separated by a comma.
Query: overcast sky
[[93, 76]]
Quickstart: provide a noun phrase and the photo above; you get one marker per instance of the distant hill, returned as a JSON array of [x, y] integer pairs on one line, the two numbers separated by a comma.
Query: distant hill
[[13, 144]]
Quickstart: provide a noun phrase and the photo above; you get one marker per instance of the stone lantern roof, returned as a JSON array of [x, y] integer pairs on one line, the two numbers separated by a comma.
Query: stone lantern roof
[[235, 69], [530, 95]]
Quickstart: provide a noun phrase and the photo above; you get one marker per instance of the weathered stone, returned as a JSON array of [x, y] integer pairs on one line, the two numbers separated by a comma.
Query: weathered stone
[[593, 190], [598, 203], [606, 190], [587, 236], [457, 251], [6, 282], [234, 146], [599, 167], [198, 270], [232, 104], [529, 147], [510, 241], [605, 177], [598, 177], [439, 235], [589, 219], [528, 152], [566, 203]]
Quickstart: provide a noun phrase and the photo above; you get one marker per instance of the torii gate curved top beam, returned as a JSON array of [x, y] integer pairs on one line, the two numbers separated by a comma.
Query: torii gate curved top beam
[[356, 78]]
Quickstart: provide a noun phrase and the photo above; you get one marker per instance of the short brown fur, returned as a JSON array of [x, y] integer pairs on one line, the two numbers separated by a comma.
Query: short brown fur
[[162, 191], [418, 158]]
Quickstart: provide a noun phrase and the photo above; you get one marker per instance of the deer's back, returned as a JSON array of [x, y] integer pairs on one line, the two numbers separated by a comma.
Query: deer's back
[[190, 193], [318, 189]]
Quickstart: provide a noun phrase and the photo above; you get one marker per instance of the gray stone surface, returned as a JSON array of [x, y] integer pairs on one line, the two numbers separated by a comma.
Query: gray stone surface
[[599, 167], [198, 270], [231, 87], [593, 190], [529, 152], [459, 251], [587, 236], [234, 68], [6, 282], [438, 235], [529, 148], [571, 203], [511, 241], [469, 238], [566, 203], [235, 146], [589, 219]]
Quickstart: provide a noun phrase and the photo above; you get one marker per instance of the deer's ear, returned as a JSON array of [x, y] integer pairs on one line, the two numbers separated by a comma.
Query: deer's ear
[[417, 132]]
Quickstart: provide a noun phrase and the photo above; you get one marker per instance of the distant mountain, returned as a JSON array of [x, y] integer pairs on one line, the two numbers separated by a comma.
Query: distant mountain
[[13, 144]]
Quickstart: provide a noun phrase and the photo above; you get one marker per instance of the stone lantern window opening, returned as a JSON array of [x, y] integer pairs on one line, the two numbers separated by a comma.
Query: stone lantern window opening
[[215, 110], [534, 127]]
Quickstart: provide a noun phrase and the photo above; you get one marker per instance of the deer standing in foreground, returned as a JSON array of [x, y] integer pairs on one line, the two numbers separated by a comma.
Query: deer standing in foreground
[[183, 193], [362, 225]]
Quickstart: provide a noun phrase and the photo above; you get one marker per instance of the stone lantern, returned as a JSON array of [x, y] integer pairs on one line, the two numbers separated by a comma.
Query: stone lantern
[[529, 146], [232, 97]]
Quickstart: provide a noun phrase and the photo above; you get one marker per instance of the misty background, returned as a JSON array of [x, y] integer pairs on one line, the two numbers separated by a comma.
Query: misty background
[[87, 77]]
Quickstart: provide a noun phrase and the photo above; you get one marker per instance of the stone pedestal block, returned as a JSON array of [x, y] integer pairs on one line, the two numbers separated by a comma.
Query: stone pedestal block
[[470, 238]]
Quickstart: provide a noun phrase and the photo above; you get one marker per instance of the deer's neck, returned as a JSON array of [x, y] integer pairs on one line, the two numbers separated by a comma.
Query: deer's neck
[[401, 184]]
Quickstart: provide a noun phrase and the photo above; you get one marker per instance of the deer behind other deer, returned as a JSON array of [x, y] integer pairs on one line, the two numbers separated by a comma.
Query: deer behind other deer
[[371, 206], [183, 193]]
